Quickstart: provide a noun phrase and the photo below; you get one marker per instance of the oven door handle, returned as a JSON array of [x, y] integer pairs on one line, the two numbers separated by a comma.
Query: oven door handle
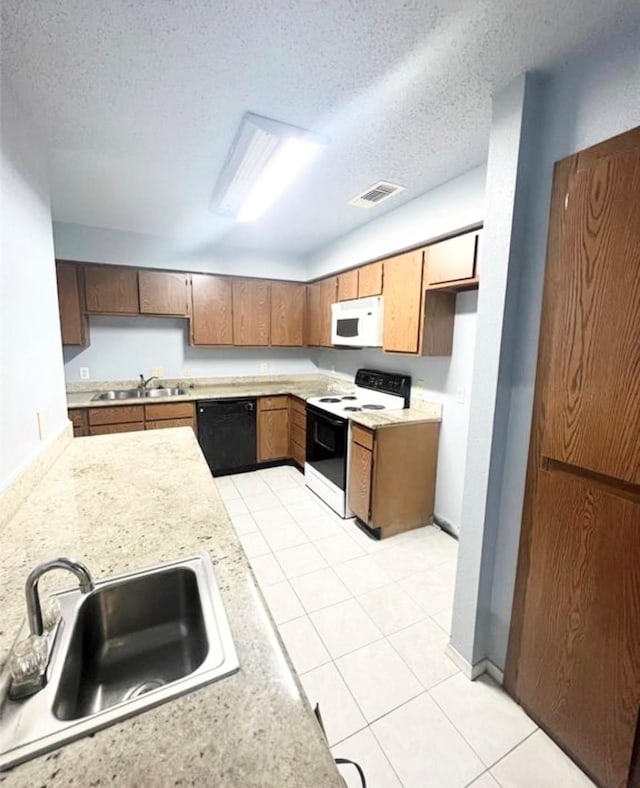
[[333, 422]]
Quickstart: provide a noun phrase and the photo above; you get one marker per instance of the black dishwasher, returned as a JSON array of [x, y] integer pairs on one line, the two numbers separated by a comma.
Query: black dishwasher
[[227, 434]]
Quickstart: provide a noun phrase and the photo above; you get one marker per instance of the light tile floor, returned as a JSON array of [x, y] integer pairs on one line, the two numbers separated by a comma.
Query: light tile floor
[[366, 624]]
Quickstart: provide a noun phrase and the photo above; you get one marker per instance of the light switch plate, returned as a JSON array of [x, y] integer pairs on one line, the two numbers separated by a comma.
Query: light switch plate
[[264, 366], [157, 372], [42, 424]]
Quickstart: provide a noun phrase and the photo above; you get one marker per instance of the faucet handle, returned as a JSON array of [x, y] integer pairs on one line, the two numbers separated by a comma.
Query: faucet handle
[[28, 659]]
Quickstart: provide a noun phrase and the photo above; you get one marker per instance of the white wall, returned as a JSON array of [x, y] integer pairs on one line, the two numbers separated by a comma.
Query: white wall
[[123, 347], [30, 351], [102, 245], [596, 95], [456, 204]]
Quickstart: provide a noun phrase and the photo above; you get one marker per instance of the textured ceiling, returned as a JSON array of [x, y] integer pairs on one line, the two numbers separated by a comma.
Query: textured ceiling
[[139, 100]]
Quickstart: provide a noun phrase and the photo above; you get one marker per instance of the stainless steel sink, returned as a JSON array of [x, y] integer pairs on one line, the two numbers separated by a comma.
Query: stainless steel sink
[[133, 642], [120, 394]]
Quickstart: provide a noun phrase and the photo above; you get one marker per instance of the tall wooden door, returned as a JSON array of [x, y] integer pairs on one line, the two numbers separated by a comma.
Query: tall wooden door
[[574, 650]]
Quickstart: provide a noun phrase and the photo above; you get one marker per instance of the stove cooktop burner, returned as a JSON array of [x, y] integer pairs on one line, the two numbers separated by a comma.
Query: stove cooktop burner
[[351, 407], [373, 407], [349, 396], [329, 399]]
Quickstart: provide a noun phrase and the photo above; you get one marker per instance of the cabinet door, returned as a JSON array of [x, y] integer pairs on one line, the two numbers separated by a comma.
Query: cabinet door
[[163, 293], [360, 468], [73, 320], [348, 285], [111, 290], [273, 434], [402, 302], [211, 318], [313, 314], [451, 260], [251, 312], [328, 296], [370, 280], [168, 423], [287, 314]]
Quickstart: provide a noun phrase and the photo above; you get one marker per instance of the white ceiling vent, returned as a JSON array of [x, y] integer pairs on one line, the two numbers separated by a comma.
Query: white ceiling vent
[[376, 194]]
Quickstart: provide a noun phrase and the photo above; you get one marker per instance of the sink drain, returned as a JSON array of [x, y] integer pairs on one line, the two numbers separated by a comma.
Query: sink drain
[[142, 689]]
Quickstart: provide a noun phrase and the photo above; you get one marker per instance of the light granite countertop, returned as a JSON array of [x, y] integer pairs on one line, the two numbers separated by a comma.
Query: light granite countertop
[[303, 386], [102, 504]]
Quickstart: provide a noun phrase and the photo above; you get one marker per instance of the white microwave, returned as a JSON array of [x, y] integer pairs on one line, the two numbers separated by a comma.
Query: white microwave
[[357, 323]]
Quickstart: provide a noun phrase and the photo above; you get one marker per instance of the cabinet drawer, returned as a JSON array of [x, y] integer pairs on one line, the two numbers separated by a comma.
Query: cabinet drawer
[[109, 429], [298, 435], [171, 410], [298, 453], [299, 419], [168, 423], [120, 415], [362, 436], [273, 403]]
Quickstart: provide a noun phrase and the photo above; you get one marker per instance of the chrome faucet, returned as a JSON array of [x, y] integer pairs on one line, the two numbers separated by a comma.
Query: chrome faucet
[[142, 386], [34, 611]]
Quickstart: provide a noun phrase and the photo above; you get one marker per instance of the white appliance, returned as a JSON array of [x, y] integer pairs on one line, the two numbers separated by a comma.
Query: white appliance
[[357, 323], [328, 421]]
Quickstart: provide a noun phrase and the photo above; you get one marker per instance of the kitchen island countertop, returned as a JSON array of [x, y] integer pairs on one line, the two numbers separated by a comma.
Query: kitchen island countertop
[[125, 502]]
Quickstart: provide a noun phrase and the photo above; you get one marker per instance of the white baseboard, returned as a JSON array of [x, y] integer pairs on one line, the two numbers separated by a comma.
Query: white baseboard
[[473, 671]]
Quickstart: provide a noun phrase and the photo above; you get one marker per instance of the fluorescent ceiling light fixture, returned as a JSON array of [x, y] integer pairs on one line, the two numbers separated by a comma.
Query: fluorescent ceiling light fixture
[[265, 157]]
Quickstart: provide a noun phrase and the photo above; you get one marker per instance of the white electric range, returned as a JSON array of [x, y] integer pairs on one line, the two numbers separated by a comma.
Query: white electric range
[[326, 468]]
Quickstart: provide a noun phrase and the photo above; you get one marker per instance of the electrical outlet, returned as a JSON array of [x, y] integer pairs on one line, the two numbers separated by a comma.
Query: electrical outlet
[[186, 370], [84, 373], [264, 366], [460, 394], [419, 383], [42, 424], [157, 372]]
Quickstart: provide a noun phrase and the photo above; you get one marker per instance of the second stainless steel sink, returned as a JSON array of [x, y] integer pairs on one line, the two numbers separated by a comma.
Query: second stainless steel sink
[[133, 642], [120, 394]]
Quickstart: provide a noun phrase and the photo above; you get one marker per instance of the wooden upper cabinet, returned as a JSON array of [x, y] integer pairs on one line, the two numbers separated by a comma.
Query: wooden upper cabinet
[[211, 318], [313, 314], [451, 260], [287, 314], [111, 290], [164, 292], [370, 280], [402, 302], [73, 320], [348, 285], [251, 311], [328, 295]]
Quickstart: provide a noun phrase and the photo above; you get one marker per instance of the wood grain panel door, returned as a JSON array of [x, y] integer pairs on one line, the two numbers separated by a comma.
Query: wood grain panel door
[[402, 302], [273, 434], [164, 292], [312, 321], [211, 318], [287, 314], [370, 280], [360, 470], [73, 320], [574, 649], [251, 311], [450, 260], [348, 285], [111, 290], [328, 296]]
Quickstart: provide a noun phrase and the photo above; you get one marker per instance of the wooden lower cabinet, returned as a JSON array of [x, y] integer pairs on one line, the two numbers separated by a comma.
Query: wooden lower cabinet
[[297, 430], [392, 476], [130, 418], [273, 428]]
